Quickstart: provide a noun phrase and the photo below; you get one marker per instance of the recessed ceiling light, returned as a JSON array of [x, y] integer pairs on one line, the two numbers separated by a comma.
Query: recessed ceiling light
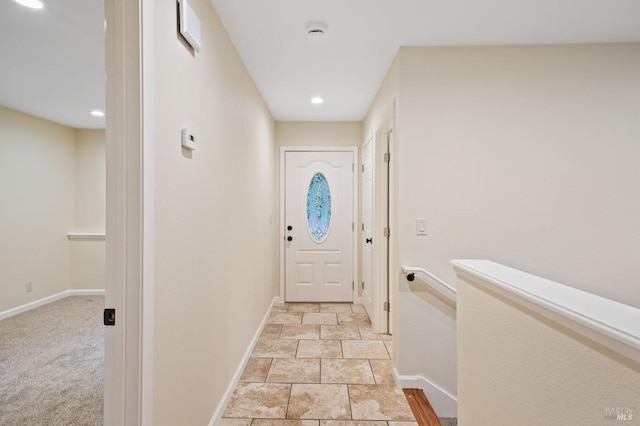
[[97, 113], [317, 100], [33, 4]]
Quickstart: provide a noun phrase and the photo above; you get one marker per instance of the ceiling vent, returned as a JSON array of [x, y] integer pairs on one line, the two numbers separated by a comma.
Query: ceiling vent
[[316, 29]]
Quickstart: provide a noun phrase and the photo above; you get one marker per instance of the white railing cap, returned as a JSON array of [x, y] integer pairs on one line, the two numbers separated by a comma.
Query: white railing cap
[[613, 319]]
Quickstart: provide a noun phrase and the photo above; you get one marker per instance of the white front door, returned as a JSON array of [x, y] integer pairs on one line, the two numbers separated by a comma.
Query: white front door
[[367, 228], [319, 226]]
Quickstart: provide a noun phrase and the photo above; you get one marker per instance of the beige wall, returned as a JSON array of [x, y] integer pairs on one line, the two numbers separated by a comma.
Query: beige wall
[[518, 367], [214, 216], [319, 133], [525, 155], [87, 257], [51, 183], [37, 189]]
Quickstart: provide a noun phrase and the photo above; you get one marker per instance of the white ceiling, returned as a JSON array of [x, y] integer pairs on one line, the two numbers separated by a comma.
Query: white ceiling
[[53, 59]]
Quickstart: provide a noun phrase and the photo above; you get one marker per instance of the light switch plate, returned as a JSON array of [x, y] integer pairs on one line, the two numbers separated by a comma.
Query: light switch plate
[[421, 226], [188, 139]]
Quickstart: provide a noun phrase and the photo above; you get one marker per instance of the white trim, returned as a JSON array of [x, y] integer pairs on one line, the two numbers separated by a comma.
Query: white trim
[[433, 282], [356, 204], [217, 415], [86, 237], [443, 403], [50, 299], [608, 322]]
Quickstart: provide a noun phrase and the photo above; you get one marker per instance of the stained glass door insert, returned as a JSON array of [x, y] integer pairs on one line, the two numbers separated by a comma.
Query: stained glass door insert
[[319, 208]]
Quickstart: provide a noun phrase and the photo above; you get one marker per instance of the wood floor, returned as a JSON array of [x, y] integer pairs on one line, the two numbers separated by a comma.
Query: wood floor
[[425, 416]]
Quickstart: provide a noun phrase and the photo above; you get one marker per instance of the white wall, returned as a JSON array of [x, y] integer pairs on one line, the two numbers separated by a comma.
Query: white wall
[[37, 189], [87, 257], [214, 216]]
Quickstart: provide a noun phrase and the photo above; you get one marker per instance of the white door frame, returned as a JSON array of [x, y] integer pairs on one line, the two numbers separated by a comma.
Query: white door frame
[[384, 248], [128, 381], [281, 234]]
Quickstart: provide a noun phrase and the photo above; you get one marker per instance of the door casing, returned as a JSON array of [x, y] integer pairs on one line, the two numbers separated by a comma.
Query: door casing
[[281, 233]]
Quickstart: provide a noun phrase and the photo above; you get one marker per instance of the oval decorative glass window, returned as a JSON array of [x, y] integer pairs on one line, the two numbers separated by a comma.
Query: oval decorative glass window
[[319, 208]]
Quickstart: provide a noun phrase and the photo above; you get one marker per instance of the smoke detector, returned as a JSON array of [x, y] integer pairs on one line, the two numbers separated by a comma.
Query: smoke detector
[[316, 29]]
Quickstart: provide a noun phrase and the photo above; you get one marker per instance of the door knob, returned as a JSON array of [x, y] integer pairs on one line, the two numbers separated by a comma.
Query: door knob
[[289, 238], [289, 228], [369, 240]]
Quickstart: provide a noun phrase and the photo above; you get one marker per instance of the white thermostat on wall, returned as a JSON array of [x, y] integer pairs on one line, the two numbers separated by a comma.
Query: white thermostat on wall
[[189, 25], [188, 139]]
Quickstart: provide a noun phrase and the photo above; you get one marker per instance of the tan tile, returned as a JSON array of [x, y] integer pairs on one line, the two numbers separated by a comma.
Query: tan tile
[[233, 422], [271, 331], [358, 319], [351, 371], [285, 318], [279, 307], [382, 371], [336, 307], [388, 345], [370, 349], [256, 370], [403, 423], [319, 318], [304, 307], [358, 309], [339, 332], [319, 401], [282, 422], [294, 371], [307, 331], [319, 349], [350, 423], [264, 400], [275, 349], [366, 333], [379, 402]]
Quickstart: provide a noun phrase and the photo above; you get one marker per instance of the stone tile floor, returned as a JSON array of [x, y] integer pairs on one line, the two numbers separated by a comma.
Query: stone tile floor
[[319, 364]]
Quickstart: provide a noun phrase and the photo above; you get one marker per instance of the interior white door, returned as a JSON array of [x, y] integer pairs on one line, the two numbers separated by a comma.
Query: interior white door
[[319, 226], [367, 231]]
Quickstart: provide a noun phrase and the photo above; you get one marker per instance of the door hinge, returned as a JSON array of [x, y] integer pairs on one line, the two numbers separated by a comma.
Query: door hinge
[[363, 226], [109, 317], [387, 232], [387, 157], [353, 226], [363, 285], [353, 167], [386, 306], [363, 168], [353, 285]]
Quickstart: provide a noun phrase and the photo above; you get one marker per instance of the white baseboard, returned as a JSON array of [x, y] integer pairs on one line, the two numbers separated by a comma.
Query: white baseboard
[[46, 300], [217, 415], [443, 403], [277, 299]]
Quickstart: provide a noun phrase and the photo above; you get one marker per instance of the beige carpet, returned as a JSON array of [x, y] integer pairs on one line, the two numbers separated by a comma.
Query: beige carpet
[[52, 364]]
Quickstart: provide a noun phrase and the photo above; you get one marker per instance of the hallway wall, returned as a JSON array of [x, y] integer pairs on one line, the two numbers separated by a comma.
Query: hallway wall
[[214, 211], [524, 155]]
